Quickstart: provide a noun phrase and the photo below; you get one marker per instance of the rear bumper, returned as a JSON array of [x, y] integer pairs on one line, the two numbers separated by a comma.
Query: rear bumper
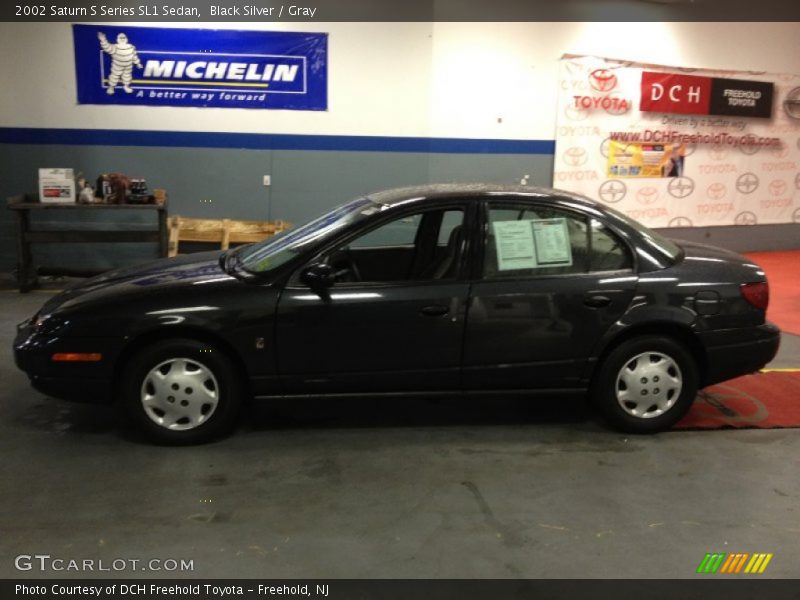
[[738, 352]]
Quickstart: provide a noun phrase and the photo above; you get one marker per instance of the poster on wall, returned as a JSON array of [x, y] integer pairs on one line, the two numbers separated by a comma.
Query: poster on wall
[[680, 147], [218, 68]]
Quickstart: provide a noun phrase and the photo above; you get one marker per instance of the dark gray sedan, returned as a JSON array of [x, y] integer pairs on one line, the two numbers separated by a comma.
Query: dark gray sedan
[[437, 289]]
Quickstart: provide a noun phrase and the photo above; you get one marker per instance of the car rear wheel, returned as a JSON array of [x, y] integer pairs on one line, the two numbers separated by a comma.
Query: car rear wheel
[[646, 384], [181, 391]]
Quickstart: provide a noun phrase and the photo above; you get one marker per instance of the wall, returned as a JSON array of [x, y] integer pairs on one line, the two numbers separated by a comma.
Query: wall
[[408, 103]]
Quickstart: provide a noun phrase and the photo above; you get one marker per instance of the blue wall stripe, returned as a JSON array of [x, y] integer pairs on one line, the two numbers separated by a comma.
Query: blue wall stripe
[[258, 141]]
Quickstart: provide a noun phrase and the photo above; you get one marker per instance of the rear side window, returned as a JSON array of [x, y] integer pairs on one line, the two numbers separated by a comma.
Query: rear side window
[[608, 252], [527, 240]]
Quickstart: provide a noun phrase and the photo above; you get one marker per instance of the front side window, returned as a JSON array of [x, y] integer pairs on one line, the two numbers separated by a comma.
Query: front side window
[[418, 247], [525, 240]]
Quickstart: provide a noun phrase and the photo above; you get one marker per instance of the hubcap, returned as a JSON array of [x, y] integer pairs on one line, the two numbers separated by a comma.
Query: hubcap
[[648, 385], [180, 394]]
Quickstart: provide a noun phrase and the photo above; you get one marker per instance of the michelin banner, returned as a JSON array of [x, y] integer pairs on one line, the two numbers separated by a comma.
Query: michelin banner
[[201, 67], [678, 147]]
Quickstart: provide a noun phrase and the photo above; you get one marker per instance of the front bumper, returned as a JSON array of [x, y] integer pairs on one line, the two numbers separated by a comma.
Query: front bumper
[[76, 381], [736, 352]]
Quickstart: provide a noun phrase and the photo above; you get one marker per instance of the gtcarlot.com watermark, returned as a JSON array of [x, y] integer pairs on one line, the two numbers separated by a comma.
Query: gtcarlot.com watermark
[[46, 563]]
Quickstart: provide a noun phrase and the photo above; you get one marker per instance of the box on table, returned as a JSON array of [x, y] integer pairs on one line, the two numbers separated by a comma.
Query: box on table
[[57, 186]]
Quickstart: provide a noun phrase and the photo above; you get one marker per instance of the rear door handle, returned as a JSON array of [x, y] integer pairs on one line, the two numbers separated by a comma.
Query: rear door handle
[[596, 301], [434, 310]]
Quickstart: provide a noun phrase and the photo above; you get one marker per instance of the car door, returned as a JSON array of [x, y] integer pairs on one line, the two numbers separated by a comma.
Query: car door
[[551, 281], [393, 320]]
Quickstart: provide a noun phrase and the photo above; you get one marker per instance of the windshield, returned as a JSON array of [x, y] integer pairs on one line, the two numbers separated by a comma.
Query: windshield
[[276, 250]]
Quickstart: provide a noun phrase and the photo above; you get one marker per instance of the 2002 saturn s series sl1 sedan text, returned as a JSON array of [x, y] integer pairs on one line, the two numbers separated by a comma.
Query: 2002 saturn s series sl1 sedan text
[[420, 290]]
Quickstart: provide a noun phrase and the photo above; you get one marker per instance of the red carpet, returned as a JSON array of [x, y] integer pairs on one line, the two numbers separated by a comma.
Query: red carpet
[[783, 273], [761, 401]]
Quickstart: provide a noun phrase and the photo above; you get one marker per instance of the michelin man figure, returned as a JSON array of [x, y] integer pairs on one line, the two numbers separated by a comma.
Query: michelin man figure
[[123, 57]]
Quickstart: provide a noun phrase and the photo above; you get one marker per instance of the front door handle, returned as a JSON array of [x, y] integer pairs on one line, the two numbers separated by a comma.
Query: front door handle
[[434, 310], [596, 301]]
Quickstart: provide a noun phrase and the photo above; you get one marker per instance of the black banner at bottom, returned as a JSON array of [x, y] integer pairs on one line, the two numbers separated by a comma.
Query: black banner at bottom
[[710, 587]]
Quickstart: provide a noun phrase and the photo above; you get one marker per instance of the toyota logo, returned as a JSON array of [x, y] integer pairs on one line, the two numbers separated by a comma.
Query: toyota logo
[[602, 80], [575, 157], [717, 152], [779, 152], [612, 191], [617, 108], [796, 215], [777, 187], [574, 113], [680, 222], [797, 181], [604, 148], [749, 148], [716, 191], [647, 195], [747, 183], [791, 105], [574, 68], [680, 187], [745, 218], [688, 149]]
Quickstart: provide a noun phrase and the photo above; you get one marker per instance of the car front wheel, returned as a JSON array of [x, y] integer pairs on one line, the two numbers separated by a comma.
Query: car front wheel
[[646, 384], [181, 392]]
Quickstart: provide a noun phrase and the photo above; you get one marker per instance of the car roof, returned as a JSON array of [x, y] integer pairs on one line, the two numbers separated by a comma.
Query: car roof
[[467, 191]]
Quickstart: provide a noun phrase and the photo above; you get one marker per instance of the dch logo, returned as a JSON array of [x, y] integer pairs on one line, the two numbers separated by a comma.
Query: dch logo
[[747, 183], [777, 187], [680, 187], [575, 156], [716, 191], [680, 222], [647, 195], [746, 218], [717, 152], [612, 191], [602, 80]]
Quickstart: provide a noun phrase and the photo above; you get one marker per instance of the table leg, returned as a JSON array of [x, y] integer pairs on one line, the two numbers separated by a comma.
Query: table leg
[[26, 274], [162, 232]]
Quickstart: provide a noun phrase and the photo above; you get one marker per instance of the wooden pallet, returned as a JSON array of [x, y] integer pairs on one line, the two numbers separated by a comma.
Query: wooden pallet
[[221, 231]]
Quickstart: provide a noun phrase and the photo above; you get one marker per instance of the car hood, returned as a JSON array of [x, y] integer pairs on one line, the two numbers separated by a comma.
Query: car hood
[[157, 277]]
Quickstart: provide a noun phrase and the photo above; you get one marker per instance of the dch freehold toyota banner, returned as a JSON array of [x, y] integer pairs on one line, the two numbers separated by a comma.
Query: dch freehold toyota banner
[[678, 147]]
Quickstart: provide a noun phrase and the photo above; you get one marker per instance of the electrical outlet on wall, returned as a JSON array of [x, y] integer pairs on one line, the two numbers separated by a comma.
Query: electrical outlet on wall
[[267, 181]]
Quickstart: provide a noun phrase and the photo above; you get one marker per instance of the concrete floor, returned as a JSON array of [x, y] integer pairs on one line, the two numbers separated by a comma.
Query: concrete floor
[[408, 489]]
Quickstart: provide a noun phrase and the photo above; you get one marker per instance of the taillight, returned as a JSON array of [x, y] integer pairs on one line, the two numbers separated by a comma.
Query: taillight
[[757, 294]]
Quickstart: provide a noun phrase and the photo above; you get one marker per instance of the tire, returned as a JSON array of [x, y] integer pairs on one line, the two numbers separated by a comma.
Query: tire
[[646, 384], [181, 392]]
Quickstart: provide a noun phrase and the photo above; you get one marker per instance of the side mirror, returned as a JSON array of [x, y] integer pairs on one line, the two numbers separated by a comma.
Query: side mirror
[[318, 275]]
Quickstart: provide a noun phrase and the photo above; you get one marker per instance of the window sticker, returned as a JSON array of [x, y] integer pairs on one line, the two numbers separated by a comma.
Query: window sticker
[[514, 243], [551, 240]]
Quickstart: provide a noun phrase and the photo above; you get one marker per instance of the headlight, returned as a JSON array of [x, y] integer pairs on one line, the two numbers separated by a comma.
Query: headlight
[[38, 320], [47, 324]]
